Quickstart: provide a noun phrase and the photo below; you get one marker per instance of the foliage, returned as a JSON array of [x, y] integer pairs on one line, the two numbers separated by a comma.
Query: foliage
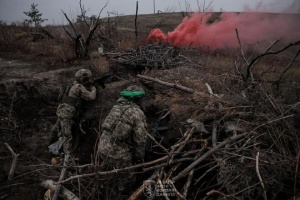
[[2, 22], [35, 16]]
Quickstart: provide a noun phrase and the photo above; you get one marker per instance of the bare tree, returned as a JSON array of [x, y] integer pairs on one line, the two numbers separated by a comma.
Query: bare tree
[[249, 63], [204, 7], [82, 41]]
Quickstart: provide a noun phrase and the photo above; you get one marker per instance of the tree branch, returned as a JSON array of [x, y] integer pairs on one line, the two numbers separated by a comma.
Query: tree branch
[[70, 22], [208, 153], [183, 88], [65, 193], [14, 162], [259, 176], [115, 170], [251, 64]]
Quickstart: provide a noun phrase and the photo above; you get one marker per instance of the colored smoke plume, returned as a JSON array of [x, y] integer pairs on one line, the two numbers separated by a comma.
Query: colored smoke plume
[[157, 35], [252, 28]]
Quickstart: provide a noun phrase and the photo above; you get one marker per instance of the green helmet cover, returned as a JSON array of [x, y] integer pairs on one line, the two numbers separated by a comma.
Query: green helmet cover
[[132, 93]]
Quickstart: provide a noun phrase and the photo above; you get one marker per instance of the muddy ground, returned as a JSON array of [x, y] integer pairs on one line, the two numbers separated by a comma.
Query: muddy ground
[[29, 98]]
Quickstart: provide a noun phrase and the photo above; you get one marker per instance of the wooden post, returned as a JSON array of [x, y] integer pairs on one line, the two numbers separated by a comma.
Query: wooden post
[[135, 21]]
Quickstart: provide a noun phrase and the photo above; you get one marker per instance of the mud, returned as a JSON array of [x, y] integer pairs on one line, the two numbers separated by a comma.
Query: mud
[[28, 103], [29, 97]]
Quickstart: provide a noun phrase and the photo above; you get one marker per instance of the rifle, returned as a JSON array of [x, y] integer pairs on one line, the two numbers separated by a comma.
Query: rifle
[[100, 80]]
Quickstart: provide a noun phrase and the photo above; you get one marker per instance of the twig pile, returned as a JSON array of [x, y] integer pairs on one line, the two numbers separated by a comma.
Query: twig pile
[[150, 56]]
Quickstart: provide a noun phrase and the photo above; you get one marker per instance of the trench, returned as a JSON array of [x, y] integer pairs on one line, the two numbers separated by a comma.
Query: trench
[[31, 103]]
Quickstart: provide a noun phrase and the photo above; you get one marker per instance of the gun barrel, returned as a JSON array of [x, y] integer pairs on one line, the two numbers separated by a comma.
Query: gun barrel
[[100, 80]]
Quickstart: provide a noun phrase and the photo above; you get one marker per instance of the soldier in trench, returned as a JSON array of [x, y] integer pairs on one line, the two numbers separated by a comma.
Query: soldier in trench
[[70, 107], [123, 139]]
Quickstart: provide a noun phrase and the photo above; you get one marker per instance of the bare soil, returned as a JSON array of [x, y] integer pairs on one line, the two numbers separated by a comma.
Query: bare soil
[[28, 97], [29, 90], [29, 100], [30, 94]]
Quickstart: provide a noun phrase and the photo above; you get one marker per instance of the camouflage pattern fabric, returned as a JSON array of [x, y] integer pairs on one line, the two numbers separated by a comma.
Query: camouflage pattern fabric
[[77, 91], [66, 113], [65, 131], [124, 132], [123, 138]]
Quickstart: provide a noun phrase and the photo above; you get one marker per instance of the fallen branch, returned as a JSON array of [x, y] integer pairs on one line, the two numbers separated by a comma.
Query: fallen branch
[[135, 195], [259, 176], [208, 153], [64, 192], [115, 170], [176, 151], [211, 92], [179, 196], [188, 183], [165, 195], [62, 175], [14, 162], [180, 87], [220, 193], [167, 164], [157, 143]]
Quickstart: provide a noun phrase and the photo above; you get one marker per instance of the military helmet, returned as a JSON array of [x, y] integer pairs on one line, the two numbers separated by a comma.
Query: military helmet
[[83, 75], [133, 91]]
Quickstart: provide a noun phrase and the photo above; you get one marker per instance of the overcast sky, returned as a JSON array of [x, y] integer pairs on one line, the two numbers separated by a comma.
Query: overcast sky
[[12, 10]]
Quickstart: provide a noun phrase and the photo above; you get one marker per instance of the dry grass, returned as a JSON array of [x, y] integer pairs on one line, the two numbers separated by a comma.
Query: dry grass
[[148, 22], [255, 107]]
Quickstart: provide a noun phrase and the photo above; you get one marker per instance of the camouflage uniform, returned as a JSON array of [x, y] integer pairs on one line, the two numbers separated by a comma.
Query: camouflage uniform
[[123, 139], [68, 109]]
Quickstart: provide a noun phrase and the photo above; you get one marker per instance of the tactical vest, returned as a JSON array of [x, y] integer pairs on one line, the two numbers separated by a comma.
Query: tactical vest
[[119, 127], [72, 101]]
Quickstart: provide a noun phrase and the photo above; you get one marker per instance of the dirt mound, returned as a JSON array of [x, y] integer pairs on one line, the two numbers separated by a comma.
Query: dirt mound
[[27, 110]]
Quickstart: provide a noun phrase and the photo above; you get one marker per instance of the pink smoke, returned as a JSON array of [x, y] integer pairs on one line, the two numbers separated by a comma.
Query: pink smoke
[[157, 35], [252, 27]]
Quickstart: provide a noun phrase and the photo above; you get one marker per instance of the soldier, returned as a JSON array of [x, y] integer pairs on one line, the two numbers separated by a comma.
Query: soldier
[[124, 135], [72, 102]]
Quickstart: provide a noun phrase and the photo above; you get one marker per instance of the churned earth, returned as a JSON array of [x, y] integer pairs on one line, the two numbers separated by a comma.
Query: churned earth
[[29, 97]]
